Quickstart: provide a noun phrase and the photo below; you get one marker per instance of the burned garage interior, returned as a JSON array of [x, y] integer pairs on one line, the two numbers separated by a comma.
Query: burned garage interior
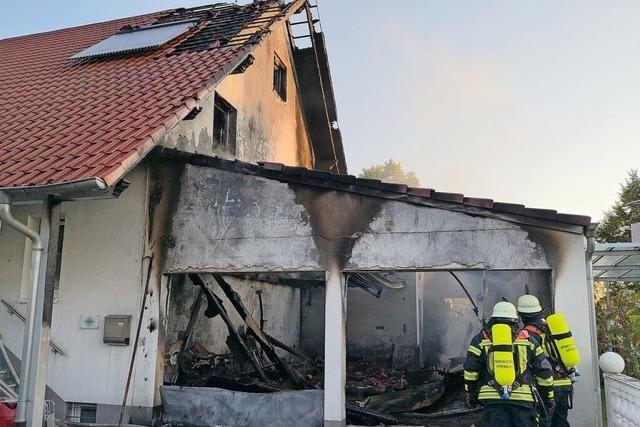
[[406, 338], [299, 297]]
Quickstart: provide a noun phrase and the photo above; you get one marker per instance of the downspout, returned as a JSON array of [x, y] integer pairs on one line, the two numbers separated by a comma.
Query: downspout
[[590, 234], [27, 352]]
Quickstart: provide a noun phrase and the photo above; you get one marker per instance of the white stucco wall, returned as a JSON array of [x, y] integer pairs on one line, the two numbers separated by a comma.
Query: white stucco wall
[[11, 263], [101, 274], [573, 297]]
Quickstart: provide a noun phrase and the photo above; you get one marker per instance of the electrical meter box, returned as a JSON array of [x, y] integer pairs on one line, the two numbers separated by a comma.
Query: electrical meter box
[[117, 330]]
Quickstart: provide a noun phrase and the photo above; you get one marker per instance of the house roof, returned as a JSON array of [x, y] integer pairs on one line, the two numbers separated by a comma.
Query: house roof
[[72, 121], [392, 191]]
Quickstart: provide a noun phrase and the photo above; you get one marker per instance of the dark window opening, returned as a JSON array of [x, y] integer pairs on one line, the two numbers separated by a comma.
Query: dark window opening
[[280, 78], [82, 412], [224, 126], [56, 283], [88, 414]]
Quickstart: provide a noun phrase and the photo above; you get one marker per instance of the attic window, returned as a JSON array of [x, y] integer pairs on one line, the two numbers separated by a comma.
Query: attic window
[[129, 40], [224, 126], [280, 78]]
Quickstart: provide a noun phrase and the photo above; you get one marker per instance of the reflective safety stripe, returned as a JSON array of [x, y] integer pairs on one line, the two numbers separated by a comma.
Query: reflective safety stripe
[[546, 382], [539, 351], [559, 382], [471, 376], [475, 350], [522, 359], [522, 394]]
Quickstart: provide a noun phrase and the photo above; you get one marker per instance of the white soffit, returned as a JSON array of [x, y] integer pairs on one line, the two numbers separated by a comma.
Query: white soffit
[[135, 40]]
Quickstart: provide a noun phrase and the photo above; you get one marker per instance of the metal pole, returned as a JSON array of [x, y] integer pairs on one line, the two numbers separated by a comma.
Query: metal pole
[[27, 352], [590, 234], [135, 342]]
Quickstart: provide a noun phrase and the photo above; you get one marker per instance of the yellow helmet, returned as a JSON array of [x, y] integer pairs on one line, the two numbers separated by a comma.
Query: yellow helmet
[[528, 304], [504, 310]]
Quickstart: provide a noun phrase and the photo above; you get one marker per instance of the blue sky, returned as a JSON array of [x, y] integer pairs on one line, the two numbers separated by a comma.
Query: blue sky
[[530, 102]]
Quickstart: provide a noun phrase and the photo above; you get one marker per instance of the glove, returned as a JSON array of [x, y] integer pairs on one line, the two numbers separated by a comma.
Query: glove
[[470, 400]]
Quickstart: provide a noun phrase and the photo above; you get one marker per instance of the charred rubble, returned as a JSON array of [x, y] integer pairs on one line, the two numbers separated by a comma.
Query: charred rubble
[[376, 394]]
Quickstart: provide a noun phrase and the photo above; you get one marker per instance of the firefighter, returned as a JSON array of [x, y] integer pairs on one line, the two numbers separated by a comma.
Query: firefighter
[[507, 379], [534, 321]]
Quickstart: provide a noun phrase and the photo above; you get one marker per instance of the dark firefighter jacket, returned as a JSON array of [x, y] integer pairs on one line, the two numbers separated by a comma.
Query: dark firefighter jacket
[[531, 367], [538, 329]]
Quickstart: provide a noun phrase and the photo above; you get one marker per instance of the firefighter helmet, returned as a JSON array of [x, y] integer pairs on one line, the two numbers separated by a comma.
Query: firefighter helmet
[[528, 304], [505, 310]]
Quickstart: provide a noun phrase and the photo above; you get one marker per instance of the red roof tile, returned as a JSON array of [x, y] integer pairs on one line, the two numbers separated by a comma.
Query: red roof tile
[[64, 121]]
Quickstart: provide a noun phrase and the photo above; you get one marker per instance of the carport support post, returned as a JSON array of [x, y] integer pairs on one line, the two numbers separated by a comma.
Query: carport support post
[[335, 349]]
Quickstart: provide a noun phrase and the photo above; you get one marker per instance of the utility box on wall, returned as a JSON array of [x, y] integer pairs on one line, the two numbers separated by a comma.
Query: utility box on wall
[[117, 330]]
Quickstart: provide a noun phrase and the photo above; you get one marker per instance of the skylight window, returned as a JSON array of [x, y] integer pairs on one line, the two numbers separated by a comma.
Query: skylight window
[[136, 40]]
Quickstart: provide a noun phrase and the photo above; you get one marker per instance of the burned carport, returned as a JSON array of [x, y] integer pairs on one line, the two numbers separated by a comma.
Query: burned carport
[[245, 234]]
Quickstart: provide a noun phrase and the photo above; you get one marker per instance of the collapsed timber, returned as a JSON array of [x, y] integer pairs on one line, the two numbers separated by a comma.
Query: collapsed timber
[[255, 363]]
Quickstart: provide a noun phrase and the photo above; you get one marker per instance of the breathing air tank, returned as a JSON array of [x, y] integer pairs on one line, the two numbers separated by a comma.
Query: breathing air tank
[[503, 366], [563, 340]]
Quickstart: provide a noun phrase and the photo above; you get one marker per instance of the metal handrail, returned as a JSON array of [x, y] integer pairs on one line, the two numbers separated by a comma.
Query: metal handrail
[[12, 311]]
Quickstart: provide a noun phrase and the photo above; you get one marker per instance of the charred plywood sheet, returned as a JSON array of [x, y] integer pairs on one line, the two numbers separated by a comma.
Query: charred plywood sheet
[[417, 237], [232, 222], [228, 221]]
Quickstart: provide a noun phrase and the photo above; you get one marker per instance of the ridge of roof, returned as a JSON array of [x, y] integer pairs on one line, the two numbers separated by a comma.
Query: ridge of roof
[[376, 188], [90, 24]]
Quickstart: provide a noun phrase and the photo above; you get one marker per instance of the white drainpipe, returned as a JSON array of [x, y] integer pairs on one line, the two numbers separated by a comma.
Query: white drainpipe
[[31, 324]]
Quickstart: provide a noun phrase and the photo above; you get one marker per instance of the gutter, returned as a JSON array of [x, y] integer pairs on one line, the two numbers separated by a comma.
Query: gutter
[[37, 249], [92, 185], [590, 234]]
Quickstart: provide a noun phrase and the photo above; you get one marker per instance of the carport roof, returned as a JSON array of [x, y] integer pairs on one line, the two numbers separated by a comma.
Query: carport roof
[[392, 191], [616, 262]]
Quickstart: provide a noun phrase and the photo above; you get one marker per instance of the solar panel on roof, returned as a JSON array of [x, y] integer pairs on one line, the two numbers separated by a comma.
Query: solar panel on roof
[[139, 39]]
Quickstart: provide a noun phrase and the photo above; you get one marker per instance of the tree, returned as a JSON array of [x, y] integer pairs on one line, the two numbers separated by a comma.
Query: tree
[[616, 224], [391, 171], [618, 303]]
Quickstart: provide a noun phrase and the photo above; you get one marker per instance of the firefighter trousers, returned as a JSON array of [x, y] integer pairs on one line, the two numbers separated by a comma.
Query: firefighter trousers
[[560, 414], [503, 414]]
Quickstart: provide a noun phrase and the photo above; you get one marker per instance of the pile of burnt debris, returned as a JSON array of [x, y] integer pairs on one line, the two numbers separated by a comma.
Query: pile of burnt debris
[[376, 395], [427, 396]]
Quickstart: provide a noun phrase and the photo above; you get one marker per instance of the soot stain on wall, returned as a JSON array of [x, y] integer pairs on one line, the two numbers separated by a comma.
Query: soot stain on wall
[[550, 243], [337, 220], [165, 183]]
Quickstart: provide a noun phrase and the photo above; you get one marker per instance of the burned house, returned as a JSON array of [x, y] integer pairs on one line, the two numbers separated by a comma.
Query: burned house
[[188, 277]]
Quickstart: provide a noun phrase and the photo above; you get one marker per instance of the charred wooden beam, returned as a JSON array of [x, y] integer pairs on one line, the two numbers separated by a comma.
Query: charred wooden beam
[[186, 339], [257, 333], [286, 348], [217, 303], [386, 419]]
